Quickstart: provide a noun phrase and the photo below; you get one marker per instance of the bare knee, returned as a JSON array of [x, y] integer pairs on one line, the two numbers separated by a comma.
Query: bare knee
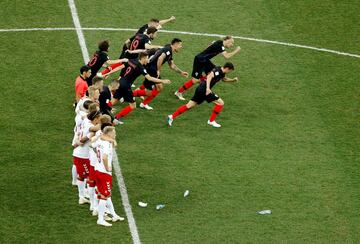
[[132, 105]]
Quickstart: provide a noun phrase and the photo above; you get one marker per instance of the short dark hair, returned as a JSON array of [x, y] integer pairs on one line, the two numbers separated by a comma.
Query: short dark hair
[[229, 66], [104, 45], [143, 54], [87, 103], [154, 20], [151, 30], [93, 115], [227, 38], [84, 68], [96, 79], [175, 40]]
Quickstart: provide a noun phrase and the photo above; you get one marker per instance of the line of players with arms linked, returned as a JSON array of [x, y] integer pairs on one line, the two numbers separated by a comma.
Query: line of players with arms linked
[[94, 132]]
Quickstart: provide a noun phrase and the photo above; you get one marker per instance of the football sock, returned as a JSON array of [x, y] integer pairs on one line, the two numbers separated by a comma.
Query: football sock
[[101, 209], [74, 174], [216, 111], [124, 112], [139, 93], [81, 188], [179, 111], [186, 86], [92, 196], [110, 207], [148, 99]]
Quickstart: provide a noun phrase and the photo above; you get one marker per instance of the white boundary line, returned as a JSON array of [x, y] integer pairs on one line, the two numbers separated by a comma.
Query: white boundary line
[[190, 33], [120, 179], [79, 32]]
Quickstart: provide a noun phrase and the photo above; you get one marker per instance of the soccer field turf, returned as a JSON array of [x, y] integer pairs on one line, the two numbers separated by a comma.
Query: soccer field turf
[[289, 141]]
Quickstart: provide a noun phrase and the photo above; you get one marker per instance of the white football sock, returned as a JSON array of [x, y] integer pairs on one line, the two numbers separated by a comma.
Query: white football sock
[[81, 188], [92, 196], [74, 174], [110, 206], [101, 209], [96, 202]]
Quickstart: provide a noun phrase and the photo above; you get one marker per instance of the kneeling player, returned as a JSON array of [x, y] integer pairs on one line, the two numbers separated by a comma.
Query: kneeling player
[[203, 93], [104, 175]]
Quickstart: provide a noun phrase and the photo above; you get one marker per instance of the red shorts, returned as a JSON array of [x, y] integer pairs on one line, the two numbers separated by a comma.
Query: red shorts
[[82, 167], [92, 176], [103, 183]]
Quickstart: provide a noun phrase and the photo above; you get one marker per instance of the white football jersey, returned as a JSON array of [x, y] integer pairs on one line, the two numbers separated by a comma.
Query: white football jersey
[[83, 151], [80, 104], [104, 148], [92, 150]]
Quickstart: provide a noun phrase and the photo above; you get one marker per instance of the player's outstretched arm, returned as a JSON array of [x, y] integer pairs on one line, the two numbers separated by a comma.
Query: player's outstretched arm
[[230, 54], [226, 79], [116, 61], [136, 51], [156, 80], [164, 21], [174, 67], [149, 46]]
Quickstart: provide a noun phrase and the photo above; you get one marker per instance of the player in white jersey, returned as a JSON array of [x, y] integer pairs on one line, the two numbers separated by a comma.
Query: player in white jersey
[[77, 130], [94, 94], [104, 120], [81, 153], [104, 175]]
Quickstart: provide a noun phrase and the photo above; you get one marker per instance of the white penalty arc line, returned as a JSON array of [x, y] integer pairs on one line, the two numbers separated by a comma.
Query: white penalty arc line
[[193, 34], [120, 179]]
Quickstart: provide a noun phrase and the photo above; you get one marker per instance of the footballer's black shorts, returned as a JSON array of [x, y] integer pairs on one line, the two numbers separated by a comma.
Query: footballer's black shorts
[[124, 91], [200, 66], [200, 95], [152, 71]]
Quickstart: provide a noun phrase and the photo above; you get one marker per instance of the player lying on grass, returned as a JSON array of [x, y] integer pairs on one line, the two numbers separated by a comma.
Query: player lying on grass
[[203, 93], [133, 69], [202, 62], [103, 169], [152, 89]]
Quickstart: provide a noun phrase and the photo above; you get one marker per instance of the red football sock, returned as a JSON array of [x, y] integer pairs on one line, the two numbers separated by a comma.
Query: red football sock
[[179, 111], [142, 87], [139, 93], [186, 85], [124, 112], [148, 99], [215, 112], [113, 66]]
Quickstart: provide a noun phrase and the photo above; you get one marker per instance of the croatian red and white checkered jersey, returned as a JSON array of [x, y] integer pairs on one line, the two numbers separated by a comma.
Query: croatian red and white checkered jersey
[[104, 148]]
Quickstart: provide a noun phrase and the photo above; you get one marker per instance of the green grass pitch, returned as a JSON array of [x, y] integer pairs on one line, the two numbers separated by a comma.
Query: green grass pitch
[[290, 139]]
